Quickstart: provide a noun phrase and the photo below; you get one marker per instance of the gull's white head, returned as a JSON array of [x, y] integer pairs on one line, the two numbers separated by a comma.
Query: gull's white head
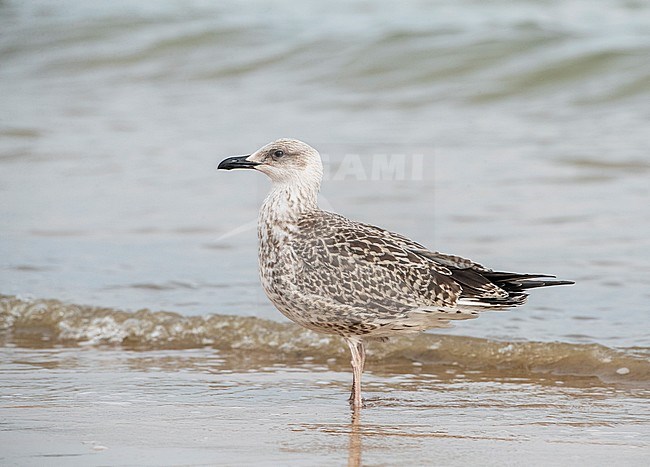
[[285, 162]]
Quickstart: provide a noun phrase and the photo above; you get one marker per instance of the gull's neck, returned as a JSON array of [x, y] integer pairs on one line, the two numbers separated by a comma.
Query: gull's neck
[[288, 201]]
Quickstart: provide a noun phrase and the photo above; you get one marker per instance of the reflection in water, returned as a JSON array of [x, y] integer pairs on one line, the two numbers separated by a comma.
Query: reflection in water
[[356, 431], [354, 446]]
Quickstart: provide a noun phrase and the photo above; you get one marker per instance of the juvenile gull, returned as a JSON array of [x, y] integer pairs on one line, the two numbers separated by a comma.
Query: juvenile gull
[[337, 276]]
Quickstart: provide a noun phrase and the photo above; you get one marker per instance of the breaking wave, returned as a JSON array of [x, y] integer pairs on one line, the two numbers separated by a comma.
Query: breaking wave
[[43, 323]]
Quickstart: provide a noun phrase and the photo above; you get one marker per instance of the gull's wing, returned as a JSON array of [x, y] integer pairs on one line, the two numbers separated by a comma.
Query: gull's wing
[[383, 272], [367, 267]]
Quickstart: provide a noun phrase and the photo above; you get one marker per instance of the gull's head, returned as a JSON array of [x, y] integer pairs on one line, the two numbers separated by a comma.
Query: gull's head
[[285, 161]]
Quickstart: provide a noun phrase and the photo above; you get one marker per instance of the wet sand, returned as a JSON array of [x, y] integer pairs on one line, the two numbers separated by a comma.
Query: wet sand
[[76, 406]]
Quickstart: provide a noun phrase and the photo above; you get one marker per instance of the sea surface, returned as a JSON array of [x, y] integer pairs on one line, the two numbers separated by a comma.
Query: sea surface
[[132, 323]]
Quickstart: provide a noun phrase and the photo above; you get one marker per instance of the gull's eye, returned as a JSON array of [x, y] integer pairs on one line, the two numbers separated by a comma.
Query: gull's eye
[[278, 154]]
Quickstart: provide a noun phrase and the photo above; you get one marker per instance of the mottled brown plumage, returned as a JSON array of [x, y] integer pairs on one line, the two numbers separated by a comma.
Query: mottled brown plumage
[[336, 276]]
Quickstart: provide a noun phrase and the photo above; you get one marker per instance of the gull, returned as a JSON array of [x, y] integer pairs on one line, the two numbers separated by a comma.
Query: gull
[[335, 276]]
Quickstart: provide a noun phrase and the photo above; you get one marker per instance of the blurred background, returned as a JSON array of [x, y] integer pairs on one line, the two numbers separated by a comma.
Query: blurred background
[[530, 119]]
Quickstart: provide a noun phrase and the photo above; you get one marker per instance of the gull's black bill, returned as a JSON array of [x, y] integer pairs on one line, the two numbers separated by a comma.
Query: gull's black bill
[[238, 162]]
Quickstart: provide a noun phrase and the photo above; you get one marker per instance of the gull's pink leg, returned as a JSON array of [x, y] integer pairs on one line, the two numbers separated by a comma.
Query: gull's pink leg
[[358, 352]]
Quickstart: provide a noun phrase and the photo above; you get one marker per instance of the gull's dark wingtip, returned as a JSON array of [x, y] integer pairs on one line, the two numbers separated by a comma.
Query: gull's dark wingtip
[[513, 280], [535, 284]]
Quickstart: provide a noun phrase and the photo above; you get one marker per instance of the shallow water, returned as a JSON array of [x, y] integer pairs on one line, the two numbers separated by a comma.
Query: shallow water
[[200, 407], [232, 390], [530, 124], [519, 138]]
